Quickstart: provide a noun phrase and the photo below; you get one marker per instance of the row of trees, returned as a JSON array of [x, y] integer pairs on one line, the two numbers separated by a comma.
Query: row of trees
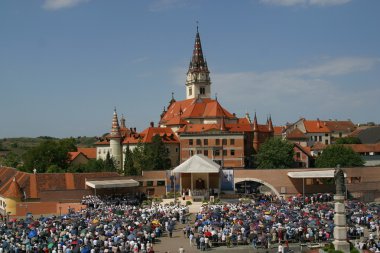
[[52, 156], [278, 153]]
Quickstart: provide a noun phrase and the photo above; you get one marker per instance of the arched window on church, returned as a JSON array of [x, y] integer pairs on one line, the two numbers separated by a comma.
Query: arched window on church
[[190, 91]]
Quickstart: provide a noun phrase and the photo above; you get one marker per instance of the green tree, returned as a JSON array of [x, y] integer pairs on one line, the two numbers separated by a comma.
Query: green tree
[[11, 160], [54, 169], [338, 154], [2, 148], [348, 140], [129, 168], [275, 153], [91, 166], [109, 163], [140, 158], [47, 153], [158, 155]]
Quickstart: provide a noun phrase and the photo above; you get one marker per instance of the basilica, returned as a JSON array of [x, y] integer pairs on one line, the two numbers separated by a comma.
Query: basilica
[[197, 125]]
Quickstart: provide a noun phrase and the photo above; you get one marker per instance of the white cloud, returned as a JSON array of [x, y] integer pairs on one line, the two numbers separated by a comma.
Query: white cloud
[[328, 2], [284, 2], [305, 2], [306, 91], [340, 66], [162, 5], [61, 4]]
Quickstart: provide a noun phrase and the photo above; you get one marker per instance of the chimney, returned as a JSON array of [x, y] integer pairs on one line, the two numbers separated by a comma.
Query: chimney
[[318, 123], [151, 124]]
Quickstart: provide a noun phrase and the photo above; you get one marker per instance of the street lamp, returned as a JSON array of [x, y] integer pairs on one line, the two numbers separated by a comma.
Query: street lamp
[[172, 179]]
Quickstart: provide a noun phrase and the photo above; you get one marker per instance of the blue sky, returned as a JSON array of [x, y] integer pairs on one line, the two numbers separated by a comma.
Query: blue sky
[[65, 64]]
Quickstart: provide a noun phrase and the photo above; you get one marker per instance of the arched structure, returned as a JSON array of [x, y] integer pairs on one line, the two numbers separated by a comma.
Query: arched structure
[[273, 189]]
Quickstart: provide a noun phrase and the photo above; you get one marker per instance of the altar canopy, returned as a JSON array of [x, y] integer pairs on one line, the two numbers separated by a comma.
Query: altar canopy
[[197, 164], [199, 177]]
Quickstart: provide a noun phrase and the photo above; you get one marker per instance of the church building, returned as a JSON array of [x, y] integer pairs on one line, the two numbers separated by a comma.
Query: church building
[[197, 125], [205, 127]]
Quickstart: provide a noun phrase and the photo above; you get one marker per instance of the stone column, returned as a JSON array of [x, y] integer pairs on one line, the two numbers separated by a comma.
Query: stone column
[[340, 229]]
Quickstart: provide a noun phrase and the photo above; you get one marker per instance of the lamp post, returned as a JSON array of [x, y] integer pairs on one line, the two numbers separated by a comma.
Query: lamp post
[[172, 178]]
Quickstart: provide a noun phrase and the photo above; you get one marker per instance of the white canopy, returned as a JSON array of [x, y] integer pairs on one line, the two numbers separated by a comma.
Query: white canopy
[[312, 174], [197, 164], [117, 183]]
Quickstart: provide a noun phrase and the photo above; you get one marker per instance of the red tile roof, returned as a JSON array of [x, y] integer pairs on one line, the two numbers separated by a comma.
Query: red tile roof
[[240, 127], [147, 135], [318, 146], [364, 148], [73, 155], [296, 134], [103, 142], [41, 184], [14, 190], [340, 126], [243, 121], [176, 121], [197, 128], [89, 152], [278, 130], [305, 150], [195, 108], [315, 126]]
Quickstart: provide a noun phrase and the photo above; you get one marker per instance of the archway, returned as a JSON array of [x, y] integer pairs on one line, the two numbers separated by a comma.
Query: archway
[[253, 183]]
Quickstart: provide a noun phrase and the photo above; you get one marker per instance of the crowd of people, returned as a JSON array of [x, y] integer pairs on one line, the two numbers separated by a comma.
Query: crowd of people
[[119, 224], [263, 223], [108, 224]]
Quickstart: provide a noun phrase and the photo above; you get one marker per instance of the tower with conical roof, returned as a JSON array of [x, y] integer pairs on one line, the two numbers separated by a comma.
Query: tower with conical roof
[[115, 142], [198, 83]]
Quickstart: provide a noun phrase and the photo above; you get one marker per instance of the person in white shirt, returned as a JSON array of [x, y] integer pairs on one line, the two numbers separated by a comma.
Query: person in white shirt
[[191, 236], [280, 248]]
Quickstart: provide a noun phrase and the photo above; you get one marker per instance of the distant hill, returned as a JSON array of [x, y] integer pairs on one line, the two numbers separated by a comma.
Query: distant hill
[[20, 145]]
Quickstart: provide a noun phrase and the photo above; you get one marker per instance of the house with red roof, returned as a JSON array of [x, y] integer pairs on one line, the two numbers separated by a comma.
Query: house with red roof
[[307, 132], [131, 138]]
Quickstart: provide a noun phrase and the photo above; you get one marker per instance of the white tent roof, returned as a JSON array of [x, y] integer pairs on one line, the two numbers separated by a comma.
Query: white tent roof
[[118, 183], [197, 164], [312, 174]]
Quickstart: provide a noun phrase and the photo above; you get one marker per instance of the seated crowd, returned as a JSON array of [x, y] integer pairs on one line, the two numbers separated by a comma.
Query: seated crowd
[[108, 224], [263, 223]]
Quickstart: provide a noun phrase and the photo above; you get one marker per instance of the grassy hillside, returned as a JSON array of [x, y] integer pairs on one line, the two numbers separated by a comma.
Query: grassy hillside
[[21, 144]]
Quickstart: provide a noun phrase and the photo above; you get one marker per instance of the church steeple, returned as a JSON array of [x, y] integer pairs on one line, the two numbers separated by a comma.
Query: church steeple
[[198, 76]]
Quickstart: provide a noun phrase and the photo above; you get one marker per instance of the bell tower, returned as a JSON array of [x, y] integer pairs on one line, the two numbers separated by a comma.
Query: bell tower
[[198, 83], [115, 142]]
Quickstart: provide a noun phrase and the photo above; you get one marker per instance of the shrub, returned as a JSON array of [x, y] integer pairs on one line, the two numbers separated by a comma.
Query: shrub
[[188, 203]]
